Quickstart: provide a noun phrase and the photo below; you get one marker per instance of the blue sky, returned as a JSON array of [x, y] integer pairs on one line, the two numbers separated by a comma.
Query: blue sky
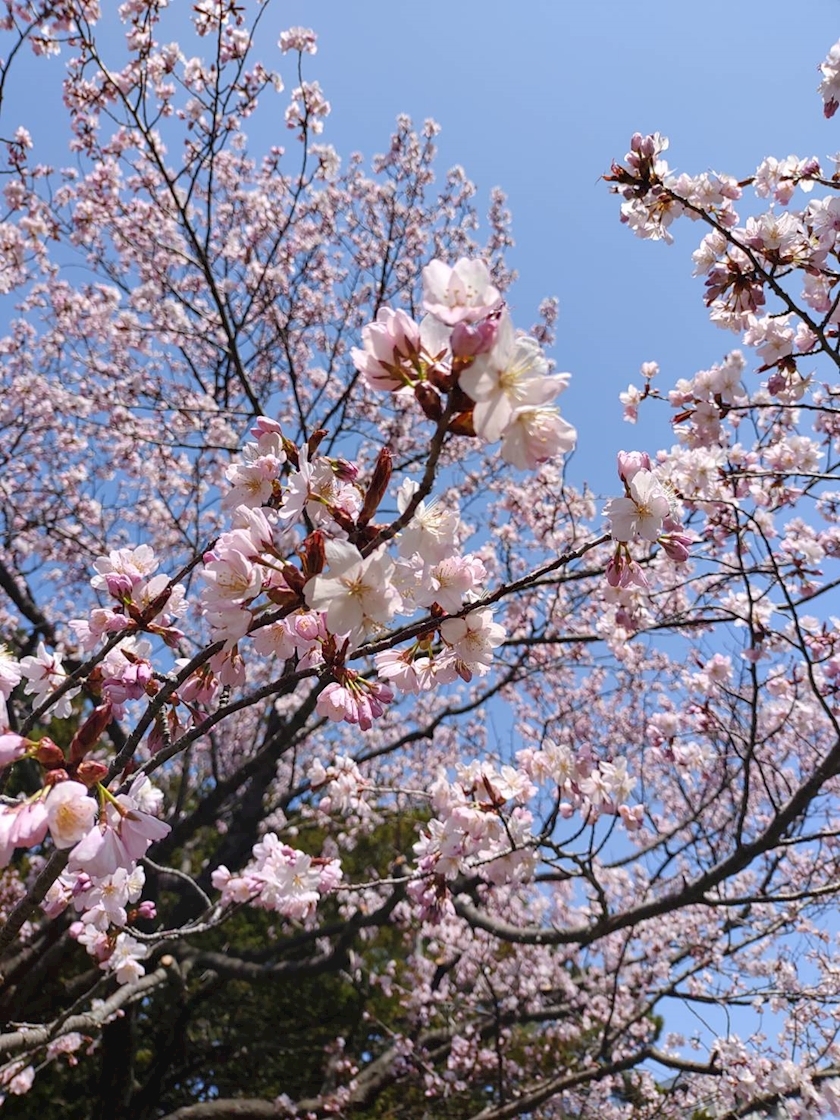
[[537, 98]]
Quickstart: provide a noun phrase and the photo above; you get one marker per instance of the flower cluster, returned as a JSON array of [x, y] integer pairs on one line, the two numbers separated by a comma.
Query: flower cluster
[[587, 785], [107, 836], [646, 512], [145, 601], [474, 830], [281, 879], [466, 346]]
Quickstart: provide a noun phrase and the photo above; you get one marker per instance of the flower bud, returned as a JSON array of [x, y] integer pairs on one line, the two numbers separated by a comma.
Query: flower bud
[[13, 747], [676, 546], [309, 627], [344, 471], [776, 383], [55, 777], [294, 578], [614, 571], [264, 427], [90, 732], [119, 586], [378, 486], [314, 441], [313, 555], [49, 754], [463, 424], [469, 339], [444, 379], [631, 462], [89, 772]]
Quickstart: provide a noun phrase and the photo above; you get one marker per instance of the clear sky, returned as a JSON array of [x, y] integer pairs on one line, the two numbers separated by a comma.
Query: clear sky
[[537, 97]]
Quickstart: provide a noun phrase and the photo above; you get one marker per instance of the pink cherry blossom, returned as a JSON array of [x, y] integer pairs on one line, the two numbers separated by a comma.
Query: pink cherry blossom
[[642, 512], [473, 638], [391, 348], [356, 594], [535, 435], [460, 293], [514, 374], [12, 748], [70, 813]]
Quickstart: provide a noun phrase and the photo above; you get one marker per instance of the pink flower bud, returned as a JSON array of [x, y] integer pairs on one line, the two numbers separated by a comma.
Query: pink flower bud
[[365, 714], [676, 546], [624, 619], [90, 772], [776, 383], [614, 569], [263, 427], [469, 339], [344, 471], [309, 627], [49, 754], [633, 816], [631, 462], [30, 824], [119, 585]]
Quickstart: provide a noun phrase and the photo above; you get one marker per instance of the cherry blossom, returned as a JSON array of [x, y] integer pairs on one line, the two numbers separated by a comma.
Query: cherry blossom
[[356, 595], [44, 672], [473, 638], [390, 355], [642, 513], [512, 375], [460, 293], [70, 813]]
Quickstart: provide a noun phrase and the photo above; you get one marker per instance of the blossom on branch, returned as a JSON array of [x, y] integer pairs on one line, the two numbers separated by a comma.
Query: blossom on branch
[[642, 512], [463, 293]]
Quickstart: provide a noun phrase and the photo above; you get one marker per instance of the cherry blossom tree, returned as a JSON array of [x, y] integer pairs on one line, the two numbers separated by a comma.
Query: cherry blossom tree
[[353, 762]]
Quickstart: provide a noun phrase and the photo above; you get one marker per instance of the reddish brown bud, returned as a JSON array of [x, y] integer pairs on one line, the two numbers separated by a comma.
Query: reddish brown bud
[[291, 452], [294, 578], [365, 534], [428, 400], [90, 732], [443, 379], [378, 485], [314, 441], [313, 555], [462, 424], [157, 604], [89, 772], [339, 516], [461, 401], [282, 598], [344, 471], [49, 754]]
